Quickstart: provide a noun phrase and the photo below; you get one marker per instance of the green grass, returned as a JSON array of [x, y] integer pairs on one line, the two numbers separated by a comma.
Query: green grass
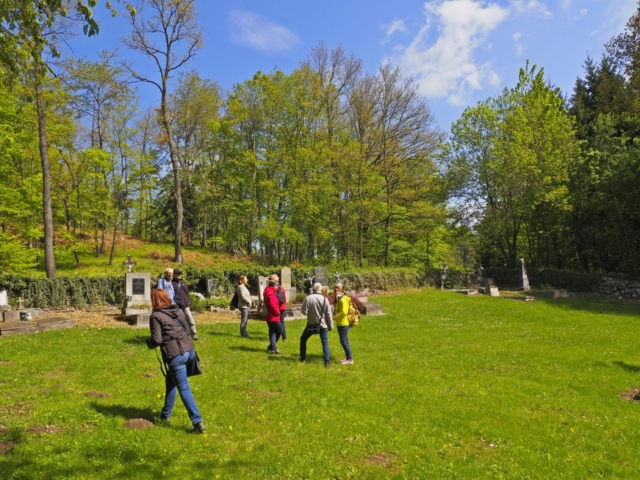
[[443, 386]]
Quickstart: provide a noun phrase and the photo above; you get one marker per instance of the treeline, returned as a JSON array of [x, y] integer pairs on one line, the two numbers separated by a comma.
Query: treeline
[[551, 179], [328, 163]]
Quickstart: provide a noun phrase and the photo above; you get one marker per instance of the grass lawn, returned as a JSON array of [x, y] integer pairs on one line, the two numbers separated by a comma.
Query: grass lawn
[[443, 386]]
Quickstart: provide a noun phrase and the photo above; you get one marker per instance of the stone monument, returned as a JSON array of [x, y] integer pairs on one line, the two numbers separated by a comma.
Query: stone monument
[[523, 280], [285, 281], [321, 277], [211, 287], [129, 263], [4, 301], [444, 275], [308, 284], [263, 282], [137, 287]]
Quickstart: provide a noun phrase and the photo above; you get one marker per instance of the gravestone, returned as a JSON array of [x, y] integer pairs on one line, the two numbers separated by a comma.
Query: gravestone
[[285, 277], [285, 281], [488, 282], [137, 288], [308, 284], [523, 279], [129, 264], [321, 277], [492, 291], [263, 282], [4, 301], [211, 286]]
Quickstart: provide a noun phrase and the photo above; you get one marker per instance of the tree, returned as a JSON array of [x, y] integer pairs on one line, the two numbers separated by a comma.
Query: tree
[[169, 37]]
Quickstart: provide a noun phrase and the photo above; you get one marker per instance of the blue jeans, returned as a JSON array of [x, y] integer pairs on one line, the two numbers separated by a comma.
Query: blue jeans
[[284, 329], [275, 332], [244, 311], [324, 338], [177, 377], [344, 341]]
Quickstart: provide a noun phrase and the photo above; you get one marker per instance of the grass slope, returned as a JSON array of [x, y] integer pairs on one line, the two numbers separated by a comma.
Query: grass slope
[[443, 386]]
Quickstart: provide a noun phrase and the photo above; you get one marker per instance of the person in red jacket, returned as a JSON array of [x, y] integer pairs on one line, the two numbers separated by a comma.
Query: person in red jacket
[[274, 305]]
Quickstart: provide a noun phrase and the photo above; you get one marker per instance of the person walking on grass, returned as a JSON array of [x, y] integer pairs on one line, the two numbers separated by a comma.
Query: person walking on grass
[[182, 299], [165, 283], [272, 302], [319, 321], [244, 303], [341, 317], [168, 327]]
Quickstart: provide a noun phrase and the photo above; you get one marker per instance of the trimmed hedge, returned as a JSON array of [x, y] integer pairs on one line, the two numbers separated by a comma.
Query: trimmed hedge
[[64, 292], [80, 292], [547, 278]]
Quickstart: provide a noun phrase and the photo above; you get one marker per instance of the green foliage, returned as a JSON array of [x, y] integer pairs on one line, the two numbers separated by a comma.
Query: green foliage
[[299, 298], [463, 388], [547, 277], [14, 255], [64, 292]]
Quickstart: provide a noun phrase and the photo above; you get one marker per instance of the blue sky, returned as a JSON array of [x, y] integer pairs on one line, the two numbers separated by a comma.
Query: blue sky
[[459, 51]]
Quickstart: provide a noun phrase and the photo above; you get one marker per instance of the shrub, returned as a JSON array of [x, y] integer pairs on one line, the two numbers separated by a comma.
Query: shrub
[[299, 298]]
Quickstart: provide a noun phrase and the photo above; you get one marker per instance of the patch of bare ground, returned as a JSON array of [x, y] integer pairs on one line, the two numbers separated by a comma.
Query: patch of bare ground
[[95, 394], [5, 447], [40, 429], [381, 459], [149, 375], [263, 393], [112, 318], [138, 424], [6, 363], [16, 410], [631, 395]]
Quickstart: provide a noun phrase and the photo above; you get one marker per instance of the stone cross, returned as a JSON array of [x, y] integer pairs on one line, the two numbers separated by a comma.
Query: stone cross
[[338, 279], [129, 264], [20, 303]]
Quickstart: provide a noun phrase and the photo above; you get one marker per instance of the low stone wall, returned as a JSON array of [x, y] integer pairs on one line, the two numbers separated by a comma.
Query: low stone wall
[[621, 289]]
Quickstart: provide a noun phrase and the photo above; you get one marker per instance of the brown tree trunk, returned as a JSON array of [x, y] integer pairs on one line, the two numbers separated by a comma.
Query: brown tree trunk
[[47, 210], [176, 180], [113, 243]]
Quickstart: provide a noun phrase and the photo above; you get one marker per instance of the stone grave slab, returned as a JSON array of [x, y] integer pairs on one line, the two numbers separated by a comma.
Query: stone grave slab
[[492, 291], [321, 277], [14, 315], [372, 308], [290, 293], [16, 328], [54, 323], [285, 277], [211, 287], [137, 287], [139, 320]]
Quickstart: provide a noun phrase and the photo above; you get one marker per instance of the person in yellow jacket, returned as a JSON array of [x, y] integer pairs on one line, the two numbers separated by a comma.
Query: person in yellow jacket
[[341, 318]]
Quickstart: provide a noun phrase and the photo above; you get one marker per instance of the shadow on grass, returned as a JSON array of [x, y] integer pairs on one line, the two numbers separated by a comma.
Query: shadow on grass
[[124, 411], [244, 348], [136, 340], [593, 305], [628, 366]]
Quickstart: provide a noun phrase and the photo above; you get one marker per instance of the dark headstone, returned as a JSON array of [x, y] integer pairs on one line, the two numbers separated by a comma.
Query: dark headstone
[[321, 277], [211, 286]]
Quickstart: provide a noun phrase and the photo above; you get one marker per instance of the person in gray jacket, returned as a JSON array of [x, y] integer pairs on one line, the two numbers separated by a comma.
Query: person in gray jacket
[[319, 321], [244, 303]]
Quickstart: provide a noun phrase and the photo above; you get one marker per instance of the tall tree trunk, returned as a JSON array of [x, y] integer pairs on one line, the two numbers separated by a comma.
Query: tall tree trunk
[[176, 179], [47, 210], [113, 243]]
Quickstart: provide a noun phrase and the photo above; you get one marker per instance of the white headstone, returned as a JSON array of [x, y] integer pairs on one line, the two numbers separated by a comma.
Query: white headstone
[[4, 299], [285, 277], [137, 290], [263, 282]]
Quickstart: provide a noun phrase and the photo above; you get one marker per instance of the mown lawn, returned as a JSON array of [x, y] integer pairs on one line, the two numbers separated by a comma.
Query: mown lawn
[[443, 386]]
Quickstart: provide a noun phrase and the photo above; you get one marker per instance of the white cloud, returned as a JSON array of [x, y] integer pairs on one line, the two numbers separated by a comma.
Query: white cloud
[[565, 4], [519, 48], [447, 68], [584, 11], [252, 30], [397, 25], [523, 7]]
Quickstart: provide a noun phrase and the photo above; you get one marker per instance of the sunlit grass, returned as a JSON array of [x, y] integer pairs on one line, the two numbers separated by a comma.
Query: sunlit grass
[[443, 386]]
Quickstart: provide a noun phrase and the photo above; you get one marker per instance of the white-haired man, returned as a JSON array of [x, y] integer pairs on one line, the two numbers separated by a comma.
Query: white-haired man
[[165, 284], [319, 321]]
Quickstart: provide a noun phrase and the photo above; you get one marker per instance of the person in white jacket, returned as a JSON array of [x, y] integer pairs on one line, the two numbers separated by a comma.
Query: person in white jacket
[[244, 303], [319, 320]]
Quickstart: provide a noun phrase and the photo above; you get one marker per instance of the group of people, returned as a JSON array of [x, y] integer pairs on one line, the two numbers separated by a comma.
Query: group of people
[[173, 329], [317, 308]]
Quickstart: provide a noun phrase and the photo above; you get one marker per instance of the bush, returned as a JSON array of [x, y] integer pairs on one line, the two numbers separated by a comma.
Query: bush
[[299, 298], [546, 277]]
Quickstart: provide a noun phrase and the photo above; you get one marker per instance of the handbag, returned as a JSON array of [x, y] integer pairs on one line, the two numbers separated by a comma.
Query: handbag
[[193, 367], [262, 309]]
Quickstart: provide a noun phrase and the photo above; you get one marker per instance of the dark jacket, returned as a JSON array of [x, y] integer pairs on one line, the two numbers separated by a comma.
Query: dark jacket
[[182, 293], [168, 334]]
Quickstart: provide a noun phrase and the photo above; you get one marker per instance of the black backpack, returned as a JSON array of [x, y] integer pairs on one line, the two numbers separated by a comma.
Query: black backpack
[[280, 294], [234, 302]]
